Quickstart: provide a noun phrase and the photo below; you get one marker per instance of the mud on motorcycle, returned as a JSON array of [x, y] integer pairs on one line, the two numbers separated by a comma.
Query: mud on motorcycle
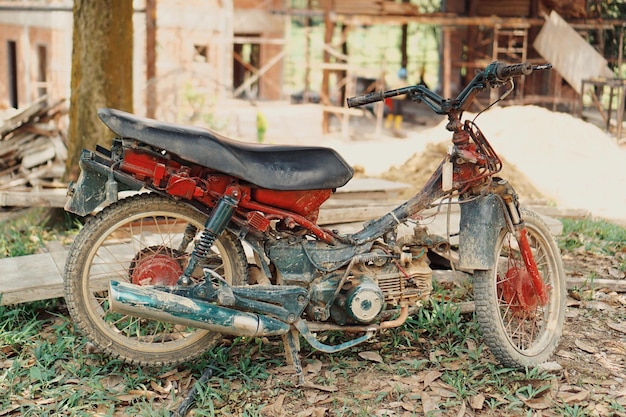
[[156, 278]]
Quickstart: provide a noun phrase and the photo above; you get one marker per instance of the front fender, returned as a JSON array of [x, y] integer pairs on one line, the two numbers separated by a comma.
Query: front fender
[[482, 220]]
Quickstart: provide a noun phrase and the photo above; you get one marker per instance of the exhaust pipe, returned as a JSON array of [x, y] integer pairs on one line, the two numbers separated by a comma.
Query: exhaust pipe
[[146, 302]]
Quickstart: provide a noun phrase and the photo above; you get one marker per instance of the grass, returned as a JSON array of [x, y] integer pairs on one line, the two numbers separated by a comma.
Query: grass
[[46, 369], [593, 235]]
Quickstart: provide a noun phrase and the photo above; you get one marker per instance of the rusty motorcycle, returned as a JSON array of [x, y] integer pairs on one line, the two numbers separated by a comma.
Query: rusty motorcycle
[[219, 237]]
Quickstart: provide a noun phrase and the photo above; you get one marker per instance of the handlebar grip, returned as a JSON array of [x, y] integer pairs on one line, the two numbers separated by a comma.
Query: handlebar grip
[[365, 99], [505, 72]]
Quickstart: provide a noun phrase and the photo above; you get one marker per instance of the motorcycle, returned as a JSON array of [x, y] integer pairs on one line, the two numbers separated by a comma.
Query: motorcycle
[[220, 237]]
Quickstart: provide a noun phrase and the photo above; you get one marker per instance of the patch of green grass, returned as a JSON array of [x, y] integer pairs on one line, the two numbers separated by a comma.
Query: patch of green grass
[[593, 235], [26, 232]]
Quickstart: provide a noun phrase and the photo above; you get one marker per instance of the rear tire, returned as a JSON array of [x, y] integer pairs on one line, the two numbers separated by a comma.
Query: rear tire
[[518, 337], [138, 240]]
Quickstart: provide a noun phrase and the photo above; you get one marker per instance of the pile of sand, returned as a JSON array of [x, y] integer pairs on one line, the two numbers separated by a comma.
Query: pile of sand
[[418, 168], [564, 159]]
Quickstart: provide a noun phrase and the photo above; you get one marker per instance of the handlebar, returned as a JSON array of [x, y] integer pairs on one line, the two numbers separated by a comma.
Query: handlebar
[[508, 71], [495, 75]]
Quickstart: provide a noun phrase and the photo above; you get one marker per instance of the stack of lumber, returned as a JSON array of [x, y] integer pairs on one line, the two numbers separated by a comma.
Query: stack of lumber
[[33, 151]]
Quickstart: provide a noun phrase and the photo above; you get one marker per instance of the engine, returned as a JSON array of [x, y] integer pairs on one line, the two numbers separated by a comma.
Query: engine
[[376, 282], [350, 284]]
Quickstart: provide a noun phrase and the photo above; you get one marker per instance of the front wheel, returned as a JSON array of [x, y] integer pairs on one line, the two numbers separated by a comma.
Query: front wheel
[[520, 330], [145, 240]]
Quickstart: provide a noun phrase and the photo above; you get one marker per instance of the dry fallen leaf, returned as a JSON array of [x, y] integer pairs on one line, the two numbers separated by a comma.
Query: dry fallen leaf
[[275, 409], [431, 377], [538, 403], [313, 367], [371, 356], [477, 401], [616, 273], [312, 412], [568, 397], [584, 346], [620, 327], [428, 404]]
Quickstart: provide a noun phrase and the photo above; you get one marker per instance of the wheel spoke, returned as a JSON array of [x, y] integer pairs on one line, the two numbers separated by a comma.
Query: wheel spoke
[[519, 326], [139, 240]]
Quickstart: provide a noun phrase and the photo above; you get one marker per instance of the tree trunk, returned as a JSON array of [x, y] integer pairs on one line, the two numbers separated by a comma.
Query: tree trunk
[[102, 57]]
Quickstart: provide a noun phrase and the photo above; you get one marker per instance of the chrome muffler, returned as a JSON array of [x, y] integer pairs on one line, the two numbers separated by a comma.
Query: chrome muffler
[[148, 303]]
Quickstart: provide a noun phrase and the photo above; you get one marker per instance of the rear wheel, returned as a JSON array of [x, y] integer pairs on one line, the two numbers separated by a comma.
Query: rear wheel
[[520, 329], [141, 240]]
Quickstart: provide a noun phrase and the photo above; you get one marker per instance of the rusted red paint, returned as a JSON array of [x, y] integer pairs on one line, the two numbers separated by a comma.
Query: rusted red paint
[[207, 186]]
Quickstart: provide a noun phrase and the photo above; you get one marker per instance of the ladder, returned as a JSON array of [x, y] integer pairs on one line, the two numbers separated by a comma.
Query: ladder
[[510, 46]]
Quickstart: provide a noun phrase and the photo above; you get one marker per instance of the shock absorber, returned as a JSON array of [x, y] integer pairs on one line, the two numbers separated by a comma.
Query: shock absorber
[[214, 226]]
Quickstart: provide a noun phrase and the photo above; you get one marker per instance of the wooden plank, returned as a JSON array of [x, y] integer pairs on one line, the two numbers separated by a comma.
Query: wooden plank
[[23, 116], [366, 188], [43, 198], [31, 278], [335, 215], [572, 56]]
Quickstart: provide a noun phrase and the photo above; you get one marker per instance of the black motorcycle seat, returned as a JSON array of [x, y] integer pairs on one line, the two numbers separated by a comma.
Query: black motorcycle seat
[[276, 167]]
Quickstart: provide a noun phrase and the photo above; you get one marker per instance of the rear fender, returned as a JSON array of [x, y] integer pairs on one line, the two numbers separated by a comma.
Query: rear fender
[[97, 184], [482, 220]]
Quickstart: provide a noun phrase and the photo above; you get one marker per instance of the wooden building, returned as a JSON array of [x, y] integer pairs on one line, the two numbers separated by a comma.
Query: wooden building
[[187, 53], [473, 34]]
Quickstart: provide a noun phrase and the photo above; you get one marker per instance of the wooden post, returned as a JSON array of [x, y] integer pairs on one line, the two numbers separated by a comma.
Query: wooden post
[[307, 54], [151, 101], [447, 63], [403, 42], [325, 90]]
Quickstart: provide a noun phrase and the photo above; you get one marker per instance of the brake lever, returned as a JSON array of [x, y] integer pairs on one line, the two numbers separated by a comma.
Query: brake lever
[[509, 91], [542, 67]]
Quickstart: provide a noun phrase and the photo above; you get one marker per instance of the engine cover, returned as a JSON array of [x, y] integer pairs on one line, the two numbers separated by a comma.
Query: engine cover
[[363, 300]]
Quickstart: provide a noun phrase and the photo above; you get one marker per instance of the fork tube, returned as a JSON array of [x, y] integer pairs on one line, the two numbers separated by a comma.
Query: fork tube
[[423, 199], [509, 196], [531, 265]]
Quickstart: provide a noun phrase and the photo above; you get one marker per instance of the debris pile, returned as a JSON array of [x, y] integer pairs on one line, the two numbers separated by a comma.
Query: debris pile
[[33, 150]]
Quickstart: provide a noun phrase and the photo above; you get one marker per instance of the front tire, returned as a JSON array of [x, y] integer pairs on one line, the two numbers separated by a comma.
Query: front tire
[[139, 240], [517, 334]]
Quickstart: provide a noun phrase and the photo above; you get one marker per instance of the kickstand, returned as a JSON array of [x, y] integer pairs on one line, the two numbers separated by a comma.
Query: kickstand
[[190, 398], [291, 341]]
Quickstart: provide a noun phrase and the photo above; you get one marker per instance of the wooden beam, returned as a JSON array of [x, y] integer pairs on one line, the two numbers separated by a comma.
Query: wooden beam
[[258, 40], [441, 19], [329, 28], [276, 58]]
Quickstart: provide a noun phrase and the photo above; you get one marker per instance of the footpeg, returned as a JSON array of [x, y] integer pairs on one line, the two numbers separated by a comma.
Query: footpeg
[[225, 296]]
